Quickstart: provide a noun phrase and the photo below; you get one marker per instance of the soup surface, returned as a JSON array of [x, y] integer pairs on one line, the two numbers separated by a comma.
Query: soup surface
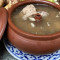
[[48, 25]]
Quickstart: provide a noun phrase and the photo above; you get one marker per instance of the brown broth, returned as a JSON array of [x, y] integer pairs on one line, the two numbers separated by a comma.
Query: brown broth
[[48, 25]]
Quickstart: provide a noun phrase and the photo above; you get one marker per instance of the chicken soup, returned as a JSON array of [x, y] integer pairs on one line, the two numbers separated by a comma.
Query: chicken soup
[[39, 19]]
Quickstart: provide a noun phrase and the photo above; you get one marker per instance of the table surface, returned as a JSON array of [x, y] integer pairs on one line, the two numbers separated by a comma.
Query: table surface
[[4, 55]]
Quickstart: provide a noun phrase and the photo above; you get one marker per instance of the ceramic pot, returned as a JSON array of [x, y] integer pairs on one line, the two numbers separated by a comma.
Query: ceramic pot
[[34, 44], [3, 21]]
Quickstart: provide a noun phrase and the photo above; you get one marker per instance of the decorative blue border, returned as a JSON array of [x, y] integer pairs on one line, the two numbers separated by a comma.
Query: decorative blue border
[[20, 55]]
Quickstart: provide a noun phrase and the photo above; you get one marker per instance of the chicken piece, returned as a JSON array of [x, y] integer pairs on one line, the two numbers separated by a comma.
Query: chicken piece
[[28, 11], [10, 3], [44, 14], [1, 3]]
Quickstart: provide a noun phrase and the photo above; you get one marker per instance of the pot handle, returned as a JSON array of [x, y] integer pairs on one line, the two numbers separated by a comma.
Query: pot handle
[[3, 21]]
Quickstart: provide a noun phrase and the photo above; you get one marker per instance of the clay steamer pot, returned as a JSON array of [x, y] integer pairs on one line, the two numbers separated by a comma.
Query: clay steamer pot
[[35, 44], [3, 21]]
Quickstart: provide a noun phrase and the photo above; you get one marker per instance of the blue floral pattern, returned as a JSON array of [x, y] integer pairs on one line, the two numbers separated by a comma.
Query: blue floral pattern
[[20, 55]]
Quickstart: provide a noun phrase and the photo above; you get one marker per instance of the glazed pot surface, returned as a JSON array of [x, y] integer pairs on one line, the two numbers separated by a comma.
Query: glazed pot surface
[[3, 21]]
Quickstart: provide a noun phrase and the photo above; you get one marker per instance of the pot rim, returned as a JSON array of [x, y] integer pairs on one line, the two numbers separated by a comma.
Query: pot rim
[[26, 34]]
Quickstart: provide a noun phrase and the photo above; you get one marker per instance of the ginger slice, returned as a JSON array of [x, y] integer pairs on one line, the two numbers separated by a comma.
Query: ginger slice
[[10, 3]]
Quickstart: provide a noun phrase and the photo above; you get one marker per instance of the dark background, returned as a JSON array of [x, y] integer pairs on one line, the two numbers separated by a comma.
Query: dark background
[[4, 55]]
